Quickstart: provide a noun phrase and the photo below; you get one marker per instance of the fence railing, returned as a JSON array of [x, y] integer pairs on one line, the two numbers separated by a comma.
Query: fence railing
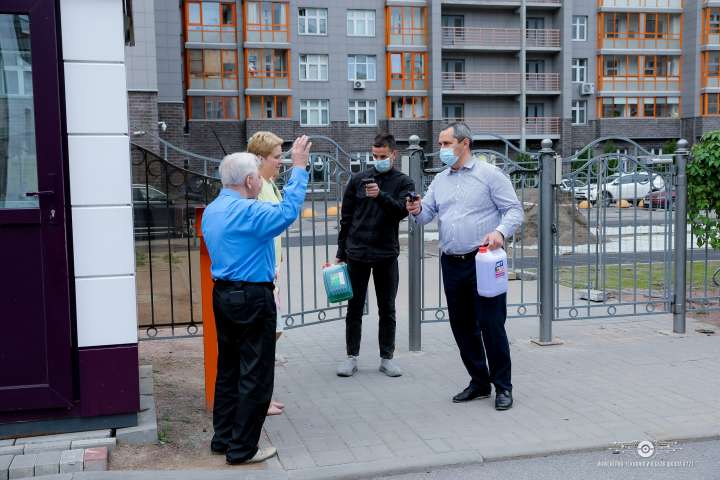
[[608, 239], [512, 126], [500, 82]]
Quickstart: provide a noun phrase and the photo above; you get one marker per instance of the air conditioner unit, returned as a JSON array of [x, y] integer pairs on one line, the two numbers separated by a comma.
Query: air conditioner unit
[[359, 84], [587, 88]]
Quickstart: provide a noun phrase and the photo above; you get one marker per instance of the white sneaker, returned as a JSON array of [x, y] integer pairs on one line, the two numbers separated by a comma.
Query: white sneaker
[[262, 455], [348, 367], [389, 368]]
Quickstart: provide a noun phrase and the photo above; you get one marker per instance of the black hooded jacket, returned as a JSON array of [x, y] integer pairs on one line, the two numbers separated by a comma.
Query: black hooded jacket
[[369, 226]]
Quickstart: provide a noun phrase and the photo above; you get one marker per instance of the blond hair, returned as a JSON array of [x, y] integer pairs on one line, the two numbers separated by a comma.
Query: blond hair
[[262, 144]]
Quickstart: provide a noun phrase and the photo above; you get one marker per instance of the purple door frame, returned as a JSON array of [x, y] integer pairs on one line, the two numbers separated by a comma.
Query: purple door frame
[[37, 341]]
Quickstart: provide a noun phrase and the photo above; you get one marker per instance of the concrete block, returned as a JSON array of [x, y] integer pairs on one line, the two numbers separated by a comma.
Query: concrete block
[[96, 459], [140, 435], [146, 386], [65, 436], [47, 463], [12, 450], [71, 461], [47, 447], [146, 371], [147, 402], [5, 461], [108, 443], [22, 466]]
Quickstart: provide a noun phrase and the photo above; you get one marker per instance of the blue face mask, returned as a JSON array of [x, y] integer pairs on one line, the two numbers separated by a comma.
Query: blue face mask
[[383, 166], [448, 157]]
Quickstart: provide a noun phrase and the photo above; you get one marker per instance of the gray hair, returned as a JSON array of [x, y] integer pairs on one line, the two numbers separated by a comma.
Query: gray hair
[[236, 167], [460, 131]]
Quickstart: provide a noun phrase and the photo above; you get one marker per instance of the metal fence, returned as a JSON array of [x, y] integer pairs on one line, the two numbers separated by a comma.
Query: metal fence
[[605, 237]]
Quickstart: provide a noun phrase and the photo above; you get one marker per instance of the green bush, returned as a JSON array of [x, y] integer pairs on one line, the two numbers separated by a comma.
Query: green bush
[[703, 175]]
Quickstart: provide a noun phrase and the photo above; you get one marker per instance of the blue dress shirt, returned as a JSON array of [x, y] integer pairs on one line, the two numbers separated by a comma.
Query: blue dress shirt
[[239, 231], [470, 203]]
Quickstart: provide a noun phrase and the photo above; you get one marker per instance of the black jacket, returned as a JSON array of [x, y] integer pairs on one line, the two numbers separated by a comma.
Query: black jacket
[[369, 226]]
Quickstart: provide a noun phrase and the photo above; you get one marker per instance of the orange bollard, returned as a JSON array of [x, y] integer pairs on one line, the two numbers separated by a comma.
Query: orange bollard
[[208, 317]]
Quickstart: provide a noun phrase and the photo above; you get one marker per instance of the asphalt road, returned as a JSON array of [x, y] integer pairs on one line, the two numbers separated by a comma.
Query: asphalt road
[[684, 461]]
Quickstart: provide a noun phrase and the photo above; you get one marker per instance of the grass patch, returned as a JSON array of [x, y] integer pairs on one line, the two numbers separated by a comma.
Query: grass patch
[[140, 258], [624, 276]]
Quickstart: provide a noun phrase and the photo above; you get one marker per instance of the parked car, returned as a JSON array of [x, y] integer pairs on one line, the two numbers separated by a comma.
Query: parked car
[[627, 186], [154, 214], [659, 199], [568, 185]]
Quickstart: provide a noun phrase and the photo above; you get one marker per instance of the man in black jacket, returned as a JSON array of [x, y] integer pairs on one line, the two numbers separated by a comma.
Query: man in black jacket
[[372, 209]]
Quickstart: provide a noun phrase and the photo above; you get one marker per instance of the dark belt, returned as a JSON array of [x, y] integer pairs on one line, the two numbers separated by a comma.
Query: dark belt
[[241, 284], [465, 257]]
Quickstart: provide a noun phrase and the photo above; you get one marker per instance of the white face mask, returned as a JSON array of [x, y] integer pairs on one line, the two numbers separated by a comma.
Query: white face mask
[[448, 157]]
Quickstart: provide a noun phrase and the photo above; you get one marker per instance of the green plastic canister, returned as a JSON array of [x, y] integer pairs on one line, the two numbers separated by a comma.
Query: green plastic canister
[[337, 283]]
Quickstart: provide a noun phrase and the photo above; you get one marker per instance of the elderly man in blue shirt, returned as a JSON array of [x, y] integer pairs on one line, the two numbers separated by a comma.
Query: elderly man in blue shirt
[[239, 232], [476, 205]]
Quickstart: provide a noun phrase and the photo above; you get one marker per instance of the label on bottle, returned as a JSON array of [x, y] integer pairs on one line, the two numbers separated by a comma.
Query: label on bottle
[[338, 280], [499, 269]]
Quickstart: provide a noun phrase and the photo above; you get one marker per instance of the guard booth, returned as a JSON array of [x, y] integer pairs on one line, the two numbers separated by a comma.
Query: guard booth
[[68, 322]]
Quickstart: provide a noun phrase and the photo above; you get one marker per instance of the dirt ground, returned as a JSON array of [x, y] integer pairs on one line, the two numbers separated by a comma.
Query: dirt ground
[[184, 425]]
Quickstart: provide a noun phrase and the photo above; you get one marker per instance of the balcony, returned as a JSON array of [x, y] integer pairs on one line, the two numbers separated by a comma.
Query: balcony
[[639, 41], [499, 83], [639, 83], [499, 39], [503, 3], [547, 38], [538, 127], [653, 5]]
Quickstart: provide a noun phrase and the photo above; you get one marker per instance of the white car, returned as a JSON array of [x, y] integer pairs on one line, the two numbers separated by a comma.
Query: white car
[[626, 186]]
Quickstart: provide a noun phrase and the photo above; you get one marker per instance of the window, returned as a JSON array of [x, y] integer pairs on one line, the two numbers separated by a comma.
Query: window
[[361, 67], [212, 69], [312, 21], [314, 68], [534, 23], [15, 74], [360, 161], [579, 28], [710, 103], [362, 113], [267, 68], [634, 107], [535, 66], [579, 70], [407, 25], [210, 22], [361, 23], [213, 108], [407, 71], [408, 107], [267, 107], [579, 112], [533, 110], [453, 111], [639, 30], [314, 112], [267, 22]]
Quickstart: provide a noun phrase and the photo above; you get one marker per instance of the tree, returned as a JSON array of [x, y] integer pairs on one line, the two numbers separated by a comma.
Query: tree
[[703, 175]]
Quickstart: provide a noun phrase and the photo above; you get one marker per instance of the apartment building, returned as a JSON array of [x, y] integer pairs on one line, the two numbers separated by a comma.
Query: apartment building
[[209, 72]]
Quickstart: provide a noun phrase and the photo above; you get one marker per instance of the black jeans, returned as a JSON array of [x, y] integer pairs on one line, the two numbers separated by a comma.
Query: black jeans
[[385, 275], [478, 325], [245, 318]]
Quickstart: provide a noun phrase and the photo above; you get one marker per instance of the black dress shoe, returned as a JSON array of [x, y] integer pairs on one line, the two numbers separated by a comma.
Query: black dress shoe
[[503, 400], [471, 393]]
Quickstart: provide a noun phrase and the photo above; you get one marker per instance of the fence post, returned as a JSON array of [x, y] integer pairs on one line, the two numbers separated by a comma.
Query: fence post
[[415, 239], [546, 236], [680, 293]]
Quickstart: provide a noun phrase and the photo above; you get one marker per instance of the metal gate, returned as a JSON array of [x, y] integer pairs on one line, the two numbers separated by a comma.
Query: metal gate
[[613, 244]]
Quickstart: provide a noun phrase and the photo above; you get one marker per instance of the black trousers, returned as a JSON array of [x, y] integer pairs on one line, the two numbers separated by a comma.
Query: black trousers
[[478, 325], [385, 275], [245, 317]]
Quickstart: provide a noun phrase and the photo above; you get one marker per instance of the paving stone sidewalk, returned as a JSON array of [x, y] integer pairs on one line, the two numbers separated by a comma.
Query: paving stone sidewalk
[[611, 381]]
